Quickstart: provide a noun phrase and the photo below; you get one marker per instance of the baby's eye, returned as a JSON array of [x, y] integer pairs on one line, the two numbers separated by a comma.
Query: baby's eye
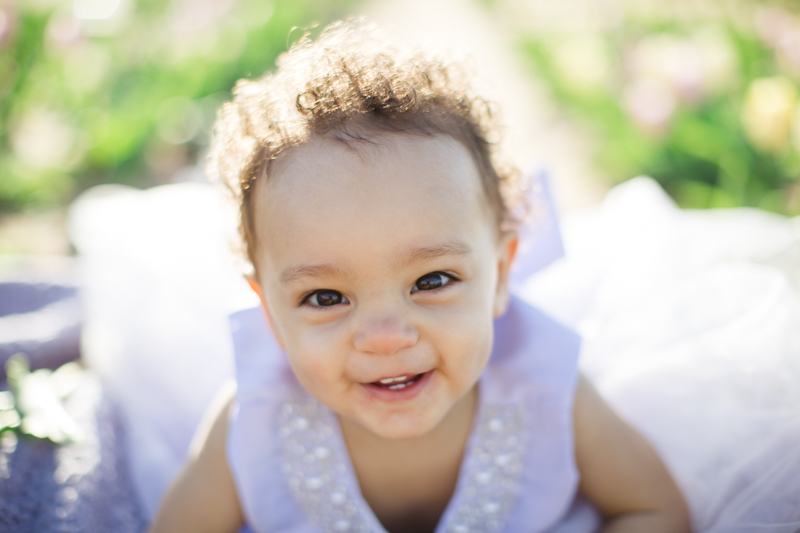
[[325, 298], [429, 282]]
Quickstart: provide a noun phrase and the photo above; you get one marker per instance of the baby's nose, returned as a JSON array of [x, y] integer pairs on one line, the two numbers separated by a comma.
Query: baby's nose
[[385, 335]]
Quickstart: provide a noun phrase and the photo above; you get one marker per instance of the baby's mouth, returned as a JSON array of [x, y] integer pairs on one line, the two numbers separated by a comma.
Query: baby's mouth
[[398, 383]]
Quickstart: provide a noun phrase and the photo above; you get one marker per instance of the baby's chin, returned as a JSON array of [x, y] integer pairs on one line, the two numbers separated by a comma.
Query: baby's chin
[[418, 420], [394, 426], [401, 431]]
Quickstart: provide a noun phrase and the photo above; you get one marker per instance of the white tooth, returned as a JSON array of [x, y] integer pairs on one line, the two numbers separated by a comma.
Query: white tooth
[[393, 380]]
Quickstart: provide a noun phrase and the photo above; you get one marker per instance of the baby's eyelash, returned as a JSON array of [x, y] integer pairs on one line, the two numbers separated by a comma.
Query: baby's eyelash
[[451, 278], [337, 297], [304, 299]]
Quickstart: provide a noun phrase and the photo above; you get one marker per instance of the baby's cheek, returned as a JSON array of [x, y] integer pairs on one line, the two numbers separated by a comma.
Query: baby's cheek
[[473, 350], [321, 368], [324, 373]]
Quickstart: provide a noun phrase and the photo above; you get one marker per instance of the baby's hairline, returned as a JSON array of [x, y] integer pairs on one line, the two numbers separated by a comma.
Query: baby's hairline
[[275, 167], [360, 140]]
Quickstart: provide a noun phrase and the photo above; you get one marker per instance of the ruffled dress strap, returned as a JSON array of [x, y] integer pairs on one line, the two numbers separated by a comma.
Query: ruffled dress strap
[[534, 371], [254, 445]]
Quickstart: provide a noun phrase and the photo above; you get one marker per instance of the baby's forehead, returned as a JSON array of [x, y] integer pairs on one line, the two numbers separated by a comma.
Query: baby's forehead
[[393, 175], [363, 162]]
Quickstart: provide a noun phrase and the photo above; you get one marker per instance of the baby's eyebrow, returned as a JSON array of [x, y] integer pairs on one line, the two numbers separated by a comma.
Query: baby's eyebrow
[[423, 253], [310, 271], [450, 248]]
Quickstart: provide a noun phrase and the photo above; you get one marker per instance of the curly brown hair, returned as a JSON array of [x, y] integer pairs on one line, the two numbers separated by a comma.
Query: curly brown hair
[[352, 85]]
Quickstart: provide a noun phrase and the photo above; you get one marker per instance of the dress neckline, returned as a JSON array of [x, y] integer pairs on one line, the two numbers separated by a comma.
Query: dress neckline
[[321, 476]]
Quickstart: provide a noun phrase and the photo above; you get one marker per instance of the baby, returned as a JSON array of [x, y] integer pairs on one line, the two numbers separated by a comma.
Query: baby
[[402, 388]]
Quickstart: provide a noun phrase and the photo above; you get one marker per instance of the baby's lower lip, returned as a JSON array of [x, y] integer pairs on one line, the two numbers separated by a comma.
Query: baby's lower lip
[[396, 392]]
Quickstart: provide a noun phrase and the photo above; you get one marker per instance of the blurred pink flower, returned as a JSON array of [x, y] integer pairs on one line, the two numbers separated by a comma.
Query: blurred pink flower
[[650, 102], [676, 61], [781, 30], [63, 31], [772, 23], [690, 66], [7, 25], [789, 46]]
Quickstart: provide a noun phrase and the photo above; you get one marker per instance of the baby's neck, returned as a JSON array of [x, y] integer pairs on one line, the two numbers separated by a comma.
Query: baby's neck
[[408, 483]]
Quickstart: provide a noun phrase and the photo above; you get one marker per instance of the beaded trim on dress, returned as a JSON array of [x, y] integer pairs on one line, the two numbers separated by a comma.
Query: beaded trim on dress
[[312, 465], [317, 474], [493, 469]]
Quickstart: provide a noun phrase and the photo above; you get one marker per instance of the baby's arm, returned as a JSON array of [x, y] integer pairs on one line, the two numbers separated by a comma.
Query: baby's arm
[[203, 498], [621, 474]]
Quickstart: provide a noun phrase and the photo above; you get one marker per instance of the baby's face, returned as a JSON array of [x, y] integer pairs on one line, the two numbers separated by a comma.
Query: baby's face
[[381, 271]]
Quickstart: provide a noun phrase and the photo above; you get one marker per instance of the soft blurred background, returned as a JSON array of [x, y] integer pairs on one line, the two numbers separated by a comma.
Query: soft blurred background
[[700, 95]]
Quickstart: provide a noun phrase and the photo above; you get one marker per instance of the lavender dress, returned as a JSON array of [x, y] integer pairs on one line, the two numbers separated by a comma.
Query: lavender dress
[[293, 472]]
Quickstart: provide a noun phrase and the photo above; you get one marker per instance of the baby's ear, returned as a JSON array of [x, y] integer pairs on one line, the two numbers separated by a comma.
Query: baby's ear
[[253, 282], [506, 251]]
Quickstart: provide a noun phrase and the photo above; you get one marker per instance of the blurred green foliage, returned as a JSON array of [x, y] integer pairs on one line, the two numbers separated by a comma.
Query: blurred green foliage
[[126, 91], [35, 404], [708, 108]]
